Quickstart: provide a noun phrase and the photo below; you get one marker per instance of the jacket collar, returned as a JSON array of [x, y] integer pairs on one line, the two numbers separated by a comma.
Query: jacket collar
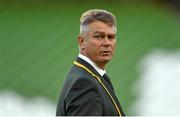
[[99, 70], [90, 67]]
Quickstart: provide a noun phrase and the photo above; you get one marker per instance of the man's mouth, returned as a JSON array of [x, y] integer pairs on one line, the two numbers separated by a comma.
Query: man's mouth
[[105, 53]]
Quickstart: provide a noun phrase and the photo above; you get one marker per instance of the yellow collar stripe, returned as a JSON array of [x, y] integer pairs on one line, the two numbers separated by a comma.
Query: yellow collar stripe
[[99, 80]]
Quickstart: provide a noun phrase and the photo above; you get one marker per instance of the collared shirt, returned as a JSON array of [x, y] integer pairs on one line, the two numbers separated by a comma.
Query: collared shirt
[[99, 70]]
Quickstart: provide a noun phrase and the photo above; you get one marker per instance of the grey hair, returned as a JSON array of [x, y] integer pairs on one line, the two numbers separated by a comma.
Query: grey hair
[[96, 15]]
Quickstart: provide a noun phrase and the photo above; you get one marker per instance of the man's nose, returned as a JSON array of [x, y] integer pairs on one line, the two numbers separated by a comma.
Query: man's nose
[[106, 41]]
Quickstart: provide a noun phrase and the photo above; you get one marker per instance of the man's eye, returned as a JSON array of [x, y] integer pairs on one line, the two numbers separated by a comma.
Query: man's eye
[[111, 37], [99, 37]]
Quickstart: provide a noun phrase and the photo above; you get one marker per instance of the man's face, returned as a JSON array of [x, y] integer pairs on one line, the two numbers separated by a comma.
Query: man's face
[[99, 44]]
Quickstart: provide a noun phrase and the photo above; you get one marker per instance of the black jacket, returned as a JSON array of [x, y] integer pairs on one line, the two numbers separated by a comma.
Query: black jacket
[[83, 95]]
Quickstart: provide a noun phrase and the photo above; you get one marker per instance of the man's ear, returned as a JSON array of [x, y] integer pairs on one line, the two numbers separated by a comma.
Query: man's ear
[[81, 42]]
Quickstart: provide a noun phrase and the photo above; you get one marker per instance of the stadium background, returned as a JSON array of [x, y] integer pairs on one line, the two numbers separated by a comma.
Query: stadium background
[[38, 43]]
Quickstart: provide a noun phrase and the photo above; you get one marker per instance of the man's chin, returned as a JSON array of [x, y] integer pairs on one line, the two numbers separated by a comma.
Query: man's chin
[[106, 59]]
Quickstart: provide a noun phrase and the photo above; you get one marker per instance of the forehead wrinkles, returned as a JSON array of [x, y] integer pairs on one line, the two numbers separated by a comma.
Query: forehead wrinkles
[[103, 31], [101, 27]]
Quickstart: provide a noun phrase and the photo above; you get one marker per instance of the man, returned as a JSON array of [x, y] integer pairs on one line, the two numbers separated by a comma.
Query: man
[[88, 90]]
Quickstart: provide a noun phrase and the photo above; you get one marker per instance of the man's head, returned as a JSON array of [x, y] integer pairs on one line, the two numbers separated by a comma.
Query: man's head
[[97, 37]]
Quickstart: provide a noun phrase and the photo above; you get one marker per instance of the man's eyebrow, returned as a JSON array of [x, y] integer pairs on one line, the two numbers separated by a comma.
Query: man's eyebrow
[[98, 32], [114, 34]]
